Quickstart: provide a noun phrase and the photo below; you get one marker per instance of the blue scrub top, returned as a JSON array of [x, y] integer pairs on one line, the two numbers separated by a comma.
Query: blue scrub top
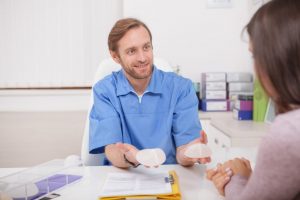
[[166, 117]]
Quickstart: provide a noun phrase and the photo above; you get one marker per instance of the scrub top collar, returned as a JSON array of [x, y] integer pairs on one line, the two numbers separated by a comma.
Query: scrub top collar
[[124, 87]]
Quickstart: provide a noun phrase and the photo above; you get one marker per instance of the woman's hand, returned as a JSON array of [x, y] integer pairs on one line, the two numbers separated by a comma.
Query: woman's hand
[[219, 177], [239, 166]]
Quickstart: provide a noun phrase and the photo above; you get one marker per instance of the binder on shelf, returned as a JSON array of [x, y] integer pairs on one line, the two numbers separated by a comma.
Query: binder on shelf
[[197, 87], [234, 95], [260, 102], [245, 97], [242, 114], [141, 186], [246, 105], [271, 112]]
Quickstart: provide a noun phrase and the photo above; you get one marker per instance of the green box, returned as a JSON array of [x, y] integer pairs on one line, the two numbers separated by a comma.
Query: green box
[[260, 102]]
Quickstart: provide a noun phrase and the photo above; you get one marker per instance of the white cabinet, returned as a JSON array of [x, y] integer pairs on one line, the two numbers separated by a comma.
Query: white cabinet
[[218, 142], [229, 138], [225, 147], [216, 139], [244, 133], [227, 132], [224, 131]]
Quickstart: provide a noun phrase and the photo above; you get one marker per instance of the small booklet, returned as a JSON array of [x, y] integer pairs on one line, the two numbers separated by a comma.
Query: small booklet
[[141, 186]]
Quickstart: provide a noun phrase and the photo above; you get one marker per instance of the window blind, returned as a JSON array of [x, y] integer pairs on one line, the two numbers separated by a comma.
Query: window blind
[[53, 43]]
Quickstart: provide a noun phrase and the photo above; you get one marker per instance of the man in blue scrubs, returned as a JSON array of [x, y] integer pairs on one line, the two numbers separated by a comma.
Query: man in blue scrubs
[[140, 106]]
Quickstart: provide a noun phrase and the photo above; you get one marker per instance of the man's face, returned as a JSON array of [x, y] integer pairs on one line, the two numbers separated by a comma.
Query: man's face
[[135, 54]]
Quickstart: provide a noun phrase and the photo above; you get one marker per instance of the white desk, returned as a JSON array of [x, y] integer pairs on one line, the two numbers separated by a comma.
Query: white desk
[[193, 184], [240, 133]]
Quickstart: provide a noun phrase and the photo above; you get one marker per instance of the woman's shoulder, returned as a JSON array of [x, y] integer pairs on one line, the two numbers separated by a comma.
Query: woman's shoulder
[[285, 132], [289, 120]]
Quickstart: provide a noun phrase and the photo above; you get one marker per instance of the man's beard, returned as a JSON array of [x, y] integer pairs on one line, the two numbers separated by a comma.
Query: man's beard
[[134, 74]]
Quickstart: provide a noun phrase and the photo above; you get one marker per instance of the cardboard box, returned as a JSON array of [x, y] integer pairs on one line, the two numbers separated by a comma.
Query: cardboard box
[[214, 95], [240, 86], [213, 76], [215, 105], [239, 77], [214, 85]]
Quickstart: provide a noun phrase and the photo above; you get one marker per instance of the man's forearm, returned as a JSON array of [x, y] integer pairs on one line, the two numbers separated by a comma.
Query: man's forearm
[[115, 156]]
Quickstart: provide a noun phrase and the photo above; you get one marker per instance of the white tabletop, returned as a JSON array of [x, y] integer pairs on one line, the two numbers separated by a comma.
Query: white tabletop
[[193, 184], [242, 133], [192, 181], [240, 128]]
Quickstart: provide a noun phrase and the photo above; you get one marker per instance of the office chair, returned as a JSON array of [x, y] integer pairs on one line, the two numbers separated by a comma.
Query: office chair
[[105, 68]]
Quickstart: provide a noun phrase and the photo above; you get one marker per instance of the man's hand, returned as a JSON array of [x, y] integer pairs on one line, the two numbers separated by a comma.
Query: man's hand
[[129, 151], [115, 154], [186, 161], [203, 138]]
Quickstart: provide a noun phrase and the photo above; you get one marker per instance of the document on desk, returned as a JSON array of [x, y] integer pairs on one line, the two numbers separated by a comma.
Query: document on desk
[[140, 186]]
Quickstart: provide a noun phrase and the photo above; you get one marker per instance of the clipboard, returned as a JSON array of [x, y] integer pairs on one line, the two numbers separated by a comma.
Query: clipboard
[[175, 194]]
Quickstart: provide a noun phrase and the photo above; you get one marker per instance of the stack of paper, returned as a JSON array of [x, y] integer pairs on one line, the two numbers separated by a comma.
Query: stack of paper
[[141, 186]]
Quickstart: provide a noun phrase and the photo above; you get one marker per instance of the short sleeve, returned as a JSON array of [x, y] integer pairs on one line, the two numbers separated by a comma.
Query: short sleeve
[[105, 125], [186, 125]]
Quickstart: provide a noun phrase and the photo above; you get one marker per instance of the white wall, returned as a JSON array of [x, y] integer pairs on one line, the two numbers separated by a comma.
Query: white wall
[[46, 43], [44, 100], [53, 43], [198, 39], [61, 42]]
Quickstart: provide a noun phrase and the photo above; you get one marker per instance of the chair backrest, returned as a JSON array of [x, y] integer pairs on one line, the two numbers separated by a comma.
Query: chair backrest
[[105, 68]]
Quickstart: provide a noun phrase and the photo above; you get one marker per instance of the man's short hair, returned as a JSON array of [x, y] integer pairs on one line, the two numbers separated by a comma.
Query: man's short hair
[[120, 28]]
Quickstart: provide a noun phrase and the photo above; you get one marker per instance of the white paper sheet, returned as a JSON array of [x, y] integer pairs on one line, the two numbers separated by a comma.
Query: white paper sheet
[[133, 183]]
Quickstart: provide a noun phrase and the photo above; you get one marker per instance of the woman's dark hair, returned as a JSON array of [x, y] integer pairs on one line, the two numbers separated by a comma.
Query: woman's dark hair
[[274, 33]]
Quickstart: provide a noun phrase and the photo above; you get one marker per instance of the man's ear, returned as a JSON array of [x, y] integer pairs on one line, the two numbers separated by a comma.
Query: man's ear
[[115, 56]]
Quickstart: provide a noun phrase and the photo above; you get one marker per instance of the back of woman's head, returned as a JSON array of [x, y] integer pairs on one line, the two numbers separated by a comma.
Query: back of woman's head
[[274, 32]]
